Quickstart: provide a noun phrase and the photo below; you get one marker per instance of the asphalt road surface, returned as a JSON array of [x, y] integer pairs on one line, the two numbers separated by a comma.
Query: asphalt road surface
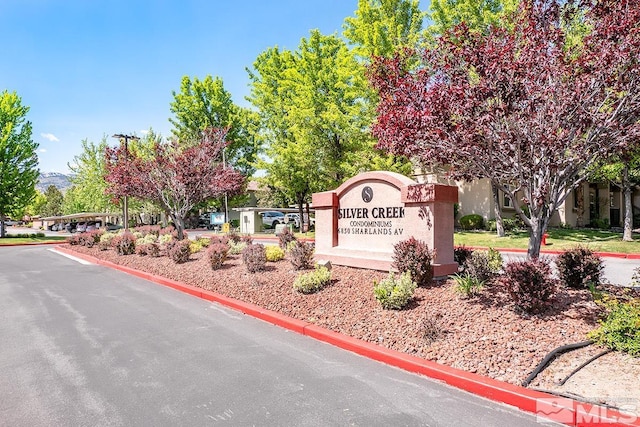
[[86, 345]]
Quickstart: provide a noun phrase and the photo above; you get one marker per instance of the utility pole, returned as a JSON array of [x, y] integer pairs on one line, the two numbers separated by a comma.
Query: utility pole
[[125, 207]]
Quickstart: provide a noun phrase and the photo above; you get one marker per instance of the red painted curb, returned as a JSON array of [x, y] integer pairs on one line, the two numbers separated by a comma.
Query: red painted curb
[[528, 400], [31, 244], [558, 252]]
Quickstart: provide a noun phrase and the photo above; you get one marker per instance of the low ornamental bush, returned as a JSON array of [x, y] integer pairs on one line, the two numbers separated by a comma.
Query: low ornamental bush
[[254, 257], [413, 256], [495, 260], [124, 243], [146, 230], [217, 254], [529, 284], [578, 267], [460, 254], [236, 248], [313, 281], [478, 267], [274, 253], [105, 241], [246, 238], [301, 255], [73, 240], [394, 293], [285, 238], [472, 222], [620, 330], [179, 250], [151, 249], [233, 236]]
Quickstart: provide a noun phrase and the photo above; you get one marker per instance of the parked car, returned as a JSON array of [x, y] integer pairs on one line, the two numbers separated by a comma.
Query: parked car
[[81, 227], [71, 227], [295, 219], [113, 227], [271, 218], [93, 225]]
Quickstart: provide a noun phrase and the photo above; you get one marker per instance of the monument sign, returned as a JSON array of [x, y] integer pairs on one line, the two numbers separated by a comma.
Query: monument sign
[[359, 223]]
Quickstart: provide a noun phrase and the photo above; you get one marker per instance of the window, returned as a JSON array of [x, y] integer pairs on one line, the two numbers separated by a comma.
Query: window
[[506, 201]]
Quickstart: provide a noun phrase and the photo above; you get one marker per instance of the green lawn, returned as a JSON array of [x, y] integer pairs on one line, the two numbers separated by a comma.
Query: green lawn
[[11, 240], [558, 239]]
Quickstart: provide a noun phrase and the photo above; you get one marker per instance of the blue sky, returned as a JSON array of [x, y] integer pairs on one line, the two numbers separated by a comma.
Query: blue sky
[[90, 68]]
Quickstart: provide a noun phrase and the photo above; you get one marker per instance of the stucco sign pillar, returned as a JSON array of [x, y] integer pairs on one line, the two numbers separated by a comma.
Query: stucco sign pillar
[[359, 223]]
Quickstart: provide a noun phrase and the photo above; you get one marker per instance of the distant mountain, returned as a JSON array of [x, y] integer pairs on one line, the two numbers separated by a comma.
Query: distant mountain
[[60, 180]]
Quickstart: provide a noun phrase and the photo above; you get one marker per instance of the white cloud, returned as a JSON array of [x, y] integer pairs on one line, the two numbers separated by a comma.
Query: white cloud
[[51, 137], [42, 150], [144, 131]]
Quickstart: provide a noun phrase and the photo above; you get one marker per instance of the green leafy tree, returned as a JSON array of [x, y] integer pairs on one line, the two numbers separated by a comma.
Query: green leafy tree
[[89, 186], [383, 27], [53, 206], [18, 158], [203, 104], [478, 15]]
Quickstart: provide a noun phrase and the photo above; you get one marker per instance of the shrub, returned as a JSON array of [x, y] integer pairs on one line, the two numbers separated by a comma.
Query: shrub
[[579, 266], [460, 254], [233, 236], [301, 255], [495, 260], [413, 256], [472, 222], [220, 239], [179, 251], [274, 253], [432, 328], [254, 257], [236, 248], [124, 243], [313, 281], [74, 240], [620, 330], [477, 266], [529, 284], [151, 249], [285, 238], [195, 246], [146, 230], [217, 254], [466, 285], [105, 241], [394, 293], [509, 224], [246, 238], [165, 239], [90, 238]]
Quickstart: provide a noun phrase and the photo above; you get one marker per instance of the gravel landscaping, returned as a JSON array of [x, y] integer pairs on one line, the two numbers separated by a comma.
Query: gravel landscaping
[[481, 334]]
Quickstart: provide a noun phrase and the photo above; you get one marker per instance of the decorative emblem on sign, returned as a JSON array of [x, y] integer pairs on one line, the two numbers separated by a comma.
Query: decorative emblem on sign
[[367, 194]]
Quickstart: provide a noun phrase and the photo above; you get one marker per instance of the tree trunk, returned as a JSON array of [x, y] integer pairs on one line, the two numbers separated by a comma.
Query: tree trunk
[[628, 209], [496, 210], [178, 222], [579, 194], [300, 202], [538, 228], [2, 227]]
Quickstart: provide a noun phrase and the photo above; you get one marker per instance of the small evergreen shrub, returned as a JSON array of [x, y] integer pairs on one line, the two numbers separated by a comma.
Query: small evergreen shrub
[[472, 222], [124, 243], [236, 248], [308, 283], [146, 230], [254, 257], [509, 224], [165, 239], [413, 256], [274, 253], [529, 284], [195, 246], [301, 255], [246, 238], [179, 250], [90, 238], [137, 234], [579, 266], [105, 241], [620, 330], [495, 260], [394, 293], [477, 266], [466, 285], [217, 254], [286, 237], [461, 254], [220, 239]]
